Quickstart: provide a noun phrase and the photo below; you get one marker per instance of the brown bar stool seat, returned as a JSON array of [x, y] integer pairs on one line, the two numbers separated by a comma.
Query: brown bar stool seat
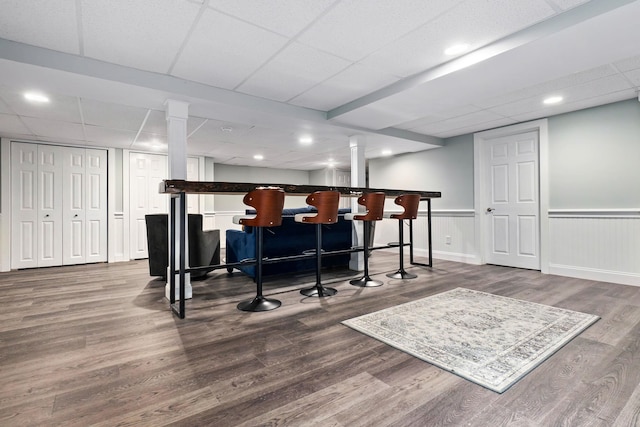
[[410, 204], [374, 203], [268, 203], [326, 202]]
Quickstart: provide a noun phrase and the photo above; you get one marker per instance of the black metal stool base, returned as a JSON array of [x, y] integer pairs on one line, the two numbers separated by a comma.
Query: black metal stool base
[[366, 282], [401, 274], [259, 304], [318, 291]]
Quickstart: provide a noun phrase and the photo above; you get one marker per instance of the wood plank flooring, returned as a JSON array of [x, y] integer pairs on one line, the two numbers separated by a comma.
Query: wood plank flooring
[[98, 345]]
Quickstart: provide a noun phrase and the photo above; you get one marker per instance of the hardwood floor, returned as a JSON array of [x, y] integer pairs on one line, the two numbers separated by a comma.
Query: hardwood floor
[[98, 345]]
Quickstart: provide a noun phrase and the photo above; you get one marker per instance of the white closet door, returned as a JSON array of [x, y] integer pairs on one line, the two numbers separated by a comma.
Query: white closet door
[[96, 205], [73, 211], [24, 202], [146, 173], [50, 162]]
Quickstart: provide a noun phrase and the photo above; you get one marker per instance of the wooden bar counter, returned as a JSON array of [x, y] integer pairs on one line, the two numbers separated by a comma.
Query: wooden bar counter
[[178, 188]]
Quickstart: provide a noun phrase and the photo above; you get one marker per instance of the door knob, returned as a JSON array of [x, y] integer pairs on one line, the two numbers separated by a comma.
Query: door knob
[[75, 216], [46, 216], [490, 210]]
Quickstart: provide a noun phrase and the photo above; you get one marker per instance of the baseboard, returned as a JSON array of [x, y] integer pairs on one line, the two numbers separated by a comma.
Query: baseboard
[[449, 256], [595, 274]]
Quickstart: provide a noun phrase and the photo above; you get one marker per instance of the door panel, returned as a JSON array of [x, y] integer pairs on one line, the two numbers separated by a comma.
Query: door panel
[[95, 206], [512, 200], [73, 228], [50, 166], [146, 173], [24, 195]]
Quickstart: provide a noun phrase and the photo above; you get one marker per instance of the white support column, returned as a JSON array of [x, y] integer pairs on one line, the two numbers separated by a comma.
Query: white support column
[[177, 113], [357, 144]]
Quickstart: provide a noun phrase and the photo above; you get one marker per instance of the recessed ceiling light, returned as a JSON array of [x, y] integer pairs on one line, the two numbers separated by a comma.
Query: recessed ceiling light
[[553, 100], [305, 140], [258, 157], [36, 97], [456, 49], [386, 152]]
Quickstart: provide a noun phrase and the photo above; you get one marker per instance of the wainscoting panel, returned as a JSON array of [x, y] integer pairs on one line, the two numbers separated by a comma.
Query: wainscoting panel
[[453, 236], [117, 236], [223, 222], [603, 245]]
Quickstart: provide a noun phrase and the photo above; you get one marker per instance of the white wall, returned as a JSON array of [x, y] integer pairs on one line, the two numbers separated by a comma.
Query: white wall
[[594, 180]]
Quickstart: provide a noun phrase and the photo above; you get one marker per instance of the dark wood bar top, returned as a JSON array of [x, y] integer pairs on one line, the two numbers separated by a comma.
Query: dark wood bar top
[[174, 186]]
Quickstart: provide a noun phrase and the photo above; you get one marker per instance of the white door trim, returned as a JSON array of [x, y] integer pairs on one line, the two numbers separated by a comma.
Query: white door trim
[[479, 184]]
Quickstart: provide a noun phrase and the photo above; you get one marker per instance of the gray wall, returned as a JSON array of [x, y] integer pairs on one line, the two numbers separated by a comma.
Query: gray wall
[[448, 169], [232, 173], [594, 163], [594, 158]]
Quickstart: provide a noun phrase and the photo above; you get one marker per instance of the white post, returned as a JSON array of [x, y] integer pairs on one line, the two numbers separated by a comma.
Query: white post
[[177, 113], [357, 144]]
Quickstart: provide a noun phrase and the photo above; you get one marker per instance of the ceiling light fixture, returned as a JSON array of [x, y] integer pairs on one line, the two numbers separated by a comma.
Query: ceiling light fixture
[[226, 128], [258, 157], [36, 97], [305, 140], [553, 100], [456, 49], [386, 152]]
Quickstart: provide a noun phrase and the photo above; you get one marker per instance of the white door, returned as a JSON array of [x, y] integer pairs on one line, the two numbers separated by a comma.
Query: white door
[[146, 173], [73, 211], [24, 202], [50, 161], [95, 206], [511, 200]]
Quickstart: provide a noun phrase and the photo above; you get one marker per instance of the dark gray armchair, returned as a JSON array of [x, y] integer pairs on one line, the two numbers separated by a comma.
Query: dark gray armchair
[[204, 245]]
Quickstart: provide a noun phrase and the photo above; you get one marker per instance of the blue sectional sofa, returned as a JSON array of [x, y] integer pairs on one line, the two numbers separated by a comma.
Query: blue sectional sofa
[[291, 238]]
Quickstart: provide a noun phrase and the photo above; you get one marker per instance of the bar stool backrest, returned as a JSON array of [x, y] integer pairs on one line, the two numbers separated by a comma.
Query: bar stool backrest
[[268, 203], [374, 202], [410, 204], [326, 202]]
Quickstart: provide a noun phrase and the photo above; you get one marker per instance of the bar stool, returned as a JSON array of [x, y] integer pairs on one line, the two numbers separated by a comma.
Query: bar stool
[[374, 203], [326, 202], [268, 203], [410, 204]]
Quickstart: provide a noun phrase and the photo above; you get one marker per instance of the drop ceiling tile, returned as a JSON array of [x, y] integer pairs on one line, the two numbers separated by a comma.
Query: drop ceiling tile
[[301, 67], [50, 24], [352, 83], [4, 108], [156, 123], [143, 34], [628, 64], [60, 107], [468, 120], [568, 4], [223, 51], [433, 118], [354, 29], [54, 129], [578, 105], [634, 76], [476, 22], [549, 87], [107, 137], [11, 125], [571, 94], [286, 17], [114, 116], [463, 130]]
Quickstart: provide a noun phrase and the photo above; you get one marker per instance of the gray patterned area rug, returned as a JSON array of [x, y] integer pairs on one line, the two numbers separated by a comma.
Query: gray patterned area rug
[[488, 339]]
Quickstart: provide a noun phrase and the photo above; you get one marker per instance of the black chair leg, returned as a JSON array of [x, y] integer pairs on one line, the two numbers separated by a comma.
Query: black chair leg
[[366, 281], [318, 290], [259, 303], [401, 273]]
